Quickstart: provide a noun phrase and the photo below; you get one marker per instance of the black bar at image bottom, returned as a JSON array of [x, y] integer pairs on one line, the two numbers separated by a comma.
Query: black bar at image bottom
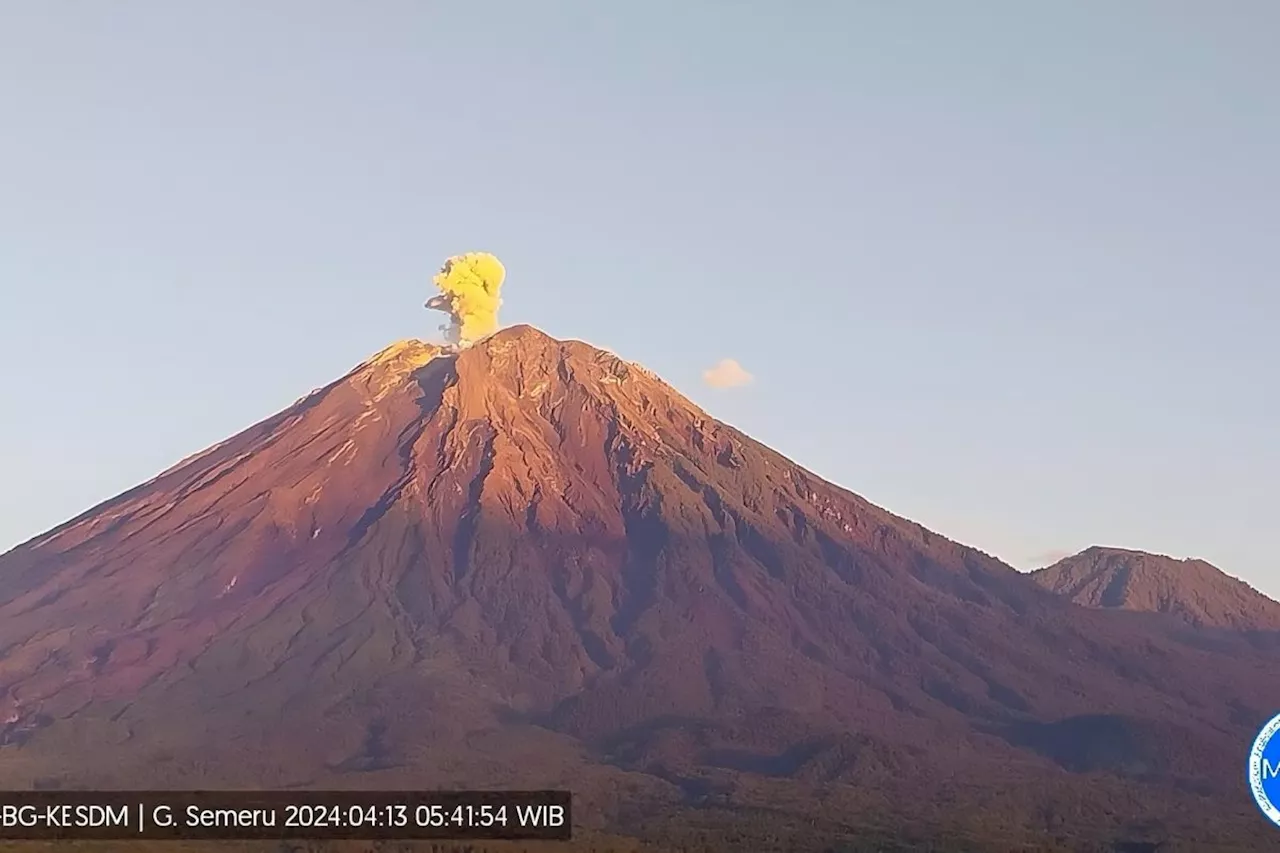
[[281, 815]]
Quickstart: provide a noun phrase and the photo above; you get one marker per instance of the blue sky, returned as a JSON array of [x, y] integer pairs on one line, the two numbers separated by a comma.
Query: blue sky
[[1009, 269]]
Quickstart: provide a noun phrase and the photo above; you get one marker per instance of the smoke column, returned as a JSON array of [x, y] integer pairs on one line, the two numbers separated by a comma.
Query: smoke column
[[469, 293]]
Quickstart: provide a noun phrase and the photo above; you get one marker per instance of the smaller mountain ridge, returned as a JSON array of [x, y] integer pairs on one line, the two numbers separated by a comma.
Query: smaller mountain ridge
[[1193, 590]]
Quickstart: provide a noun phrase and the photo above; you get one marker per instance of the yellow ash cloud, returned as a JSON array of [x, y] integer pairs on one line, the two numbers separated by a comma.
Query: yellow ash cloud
[[469, 293]]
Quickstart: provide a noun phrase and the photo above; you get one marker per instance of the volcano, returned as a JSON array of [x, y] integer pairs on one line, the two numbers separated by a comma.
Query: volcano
[[532, 563]]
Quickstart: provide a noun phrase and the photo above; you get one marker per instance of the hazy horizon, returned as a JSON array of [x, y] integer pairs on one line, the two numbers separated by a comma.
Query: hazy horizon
[[1005, 271]]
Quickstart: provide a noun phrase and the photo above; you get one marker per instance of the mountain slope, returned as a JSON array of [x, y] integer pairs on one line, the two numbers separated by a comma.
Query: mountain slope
[[533, 563], [1193, 590]]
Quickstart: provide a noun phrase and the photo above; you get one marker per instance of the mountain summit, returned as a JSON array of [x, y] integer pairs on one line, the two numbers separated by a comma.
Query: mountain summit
[[1195, 591], [532, 563]]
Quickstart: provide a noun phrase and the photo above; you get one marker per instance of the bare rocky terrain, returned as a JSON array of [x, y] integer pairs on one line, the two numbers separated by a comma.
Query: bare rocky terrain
[[534, 564]]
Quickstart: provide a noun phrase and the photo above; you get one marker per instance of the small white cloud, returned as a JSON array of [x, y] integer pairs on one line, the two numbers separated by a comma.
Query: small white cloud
[[727, 374]]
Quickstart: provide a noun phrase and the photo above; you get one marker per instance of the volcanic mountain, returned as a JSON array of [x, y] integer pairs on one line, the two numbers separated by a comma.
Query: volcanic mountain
[[532, 563], [1193, 590]]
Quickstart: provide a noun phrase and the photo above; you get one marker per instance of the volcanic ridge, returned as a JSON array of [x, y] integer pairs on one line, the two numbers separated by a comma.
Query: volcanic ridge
[[1193, 590]]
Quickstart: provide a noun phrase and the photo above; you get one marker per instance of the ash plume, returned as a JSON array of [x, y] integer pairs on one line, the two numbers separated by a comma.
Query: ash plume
[[469, 293]]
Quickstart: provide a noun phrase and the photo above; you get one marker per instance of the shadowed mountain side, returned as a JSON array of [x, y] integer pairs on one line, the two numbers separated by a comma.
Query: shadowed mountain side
[[533, 549]]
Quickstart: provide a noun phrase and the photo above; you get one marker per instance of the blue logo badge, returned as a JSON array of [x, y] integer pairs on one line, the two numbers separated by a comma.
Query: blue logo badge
[[1264, 770]]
